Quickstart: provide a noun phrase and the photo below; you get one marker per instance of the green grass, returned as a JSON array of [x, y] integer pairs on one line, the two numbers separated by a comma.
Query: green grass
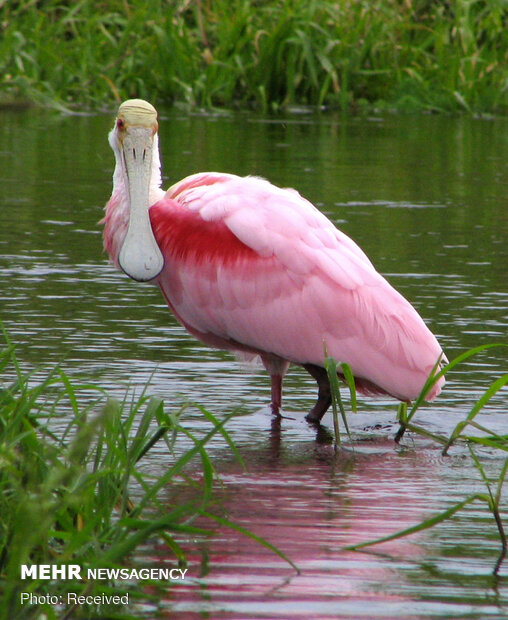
[[77, 493], [267, 54]]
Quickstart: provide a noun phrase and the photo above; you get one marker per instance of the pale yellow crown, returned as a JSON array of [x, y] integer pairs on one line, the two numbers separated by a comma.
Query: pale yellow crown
[[138, 112]]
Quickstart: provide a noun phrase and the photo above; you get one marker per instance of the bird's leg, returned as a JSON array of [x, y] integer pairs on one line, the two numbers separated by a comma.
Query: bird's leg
[[324, 395], [277, 367], [276, 393]]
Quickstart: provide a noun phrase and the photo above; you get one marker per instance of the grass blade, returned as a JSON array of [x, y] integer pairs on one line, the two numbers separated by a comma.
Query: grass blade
[[423, 525], [477, 407]]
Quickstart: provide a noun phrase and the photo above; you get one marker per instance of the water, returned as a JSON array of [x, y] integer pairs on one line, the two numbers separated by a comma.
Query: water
[[425, 197]]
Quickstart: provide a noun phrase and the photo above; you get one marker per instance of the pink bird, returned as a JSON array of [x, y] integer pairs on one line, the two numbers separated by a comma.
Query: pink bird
[[255, 269]]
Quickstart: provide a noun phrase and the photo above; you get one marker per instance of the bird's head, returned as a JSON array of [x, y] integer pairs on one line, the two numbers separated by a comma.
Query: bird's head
[[134, 141]]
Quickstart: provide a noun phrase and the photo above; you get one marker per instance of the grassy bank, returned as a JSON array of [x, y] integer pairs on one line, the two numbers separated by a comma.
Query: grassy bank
[[351, 54]]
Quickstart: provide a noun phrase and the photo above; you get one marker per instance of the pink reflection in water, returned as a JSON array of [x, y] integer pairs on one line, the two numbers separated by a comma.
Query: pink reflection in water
[[310, 503]]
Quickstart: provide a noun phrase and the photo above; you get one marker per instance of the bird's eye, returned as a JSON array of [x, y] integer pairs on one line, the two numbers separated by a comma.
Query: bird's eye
[[120, 124]]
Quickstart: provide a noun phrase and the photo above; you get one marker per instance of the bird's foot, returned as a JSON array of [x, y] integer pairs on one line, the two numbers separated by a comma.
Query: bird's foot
[[317, 412], [277, 413], [313, 419], [275, 407]]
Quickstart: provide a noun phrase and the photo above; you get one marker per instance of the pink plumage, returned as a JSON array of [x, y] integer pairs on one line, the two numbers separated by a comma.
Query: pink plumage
[[253, 268]]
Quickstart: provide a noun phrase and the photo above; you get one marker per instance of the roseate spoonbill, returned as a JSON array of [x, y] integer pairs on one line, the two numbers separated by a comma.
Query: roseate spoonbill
[[255, 269]]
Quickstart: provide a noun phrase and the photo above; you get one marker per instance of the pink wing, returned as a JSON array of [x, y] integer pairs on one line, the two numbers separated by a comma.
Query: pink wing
[[253, 267]]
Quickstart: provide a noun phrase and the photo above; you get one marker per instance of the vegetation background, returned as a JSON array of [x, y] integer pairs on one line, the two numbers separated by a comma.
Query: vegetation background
[[267, 54]]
